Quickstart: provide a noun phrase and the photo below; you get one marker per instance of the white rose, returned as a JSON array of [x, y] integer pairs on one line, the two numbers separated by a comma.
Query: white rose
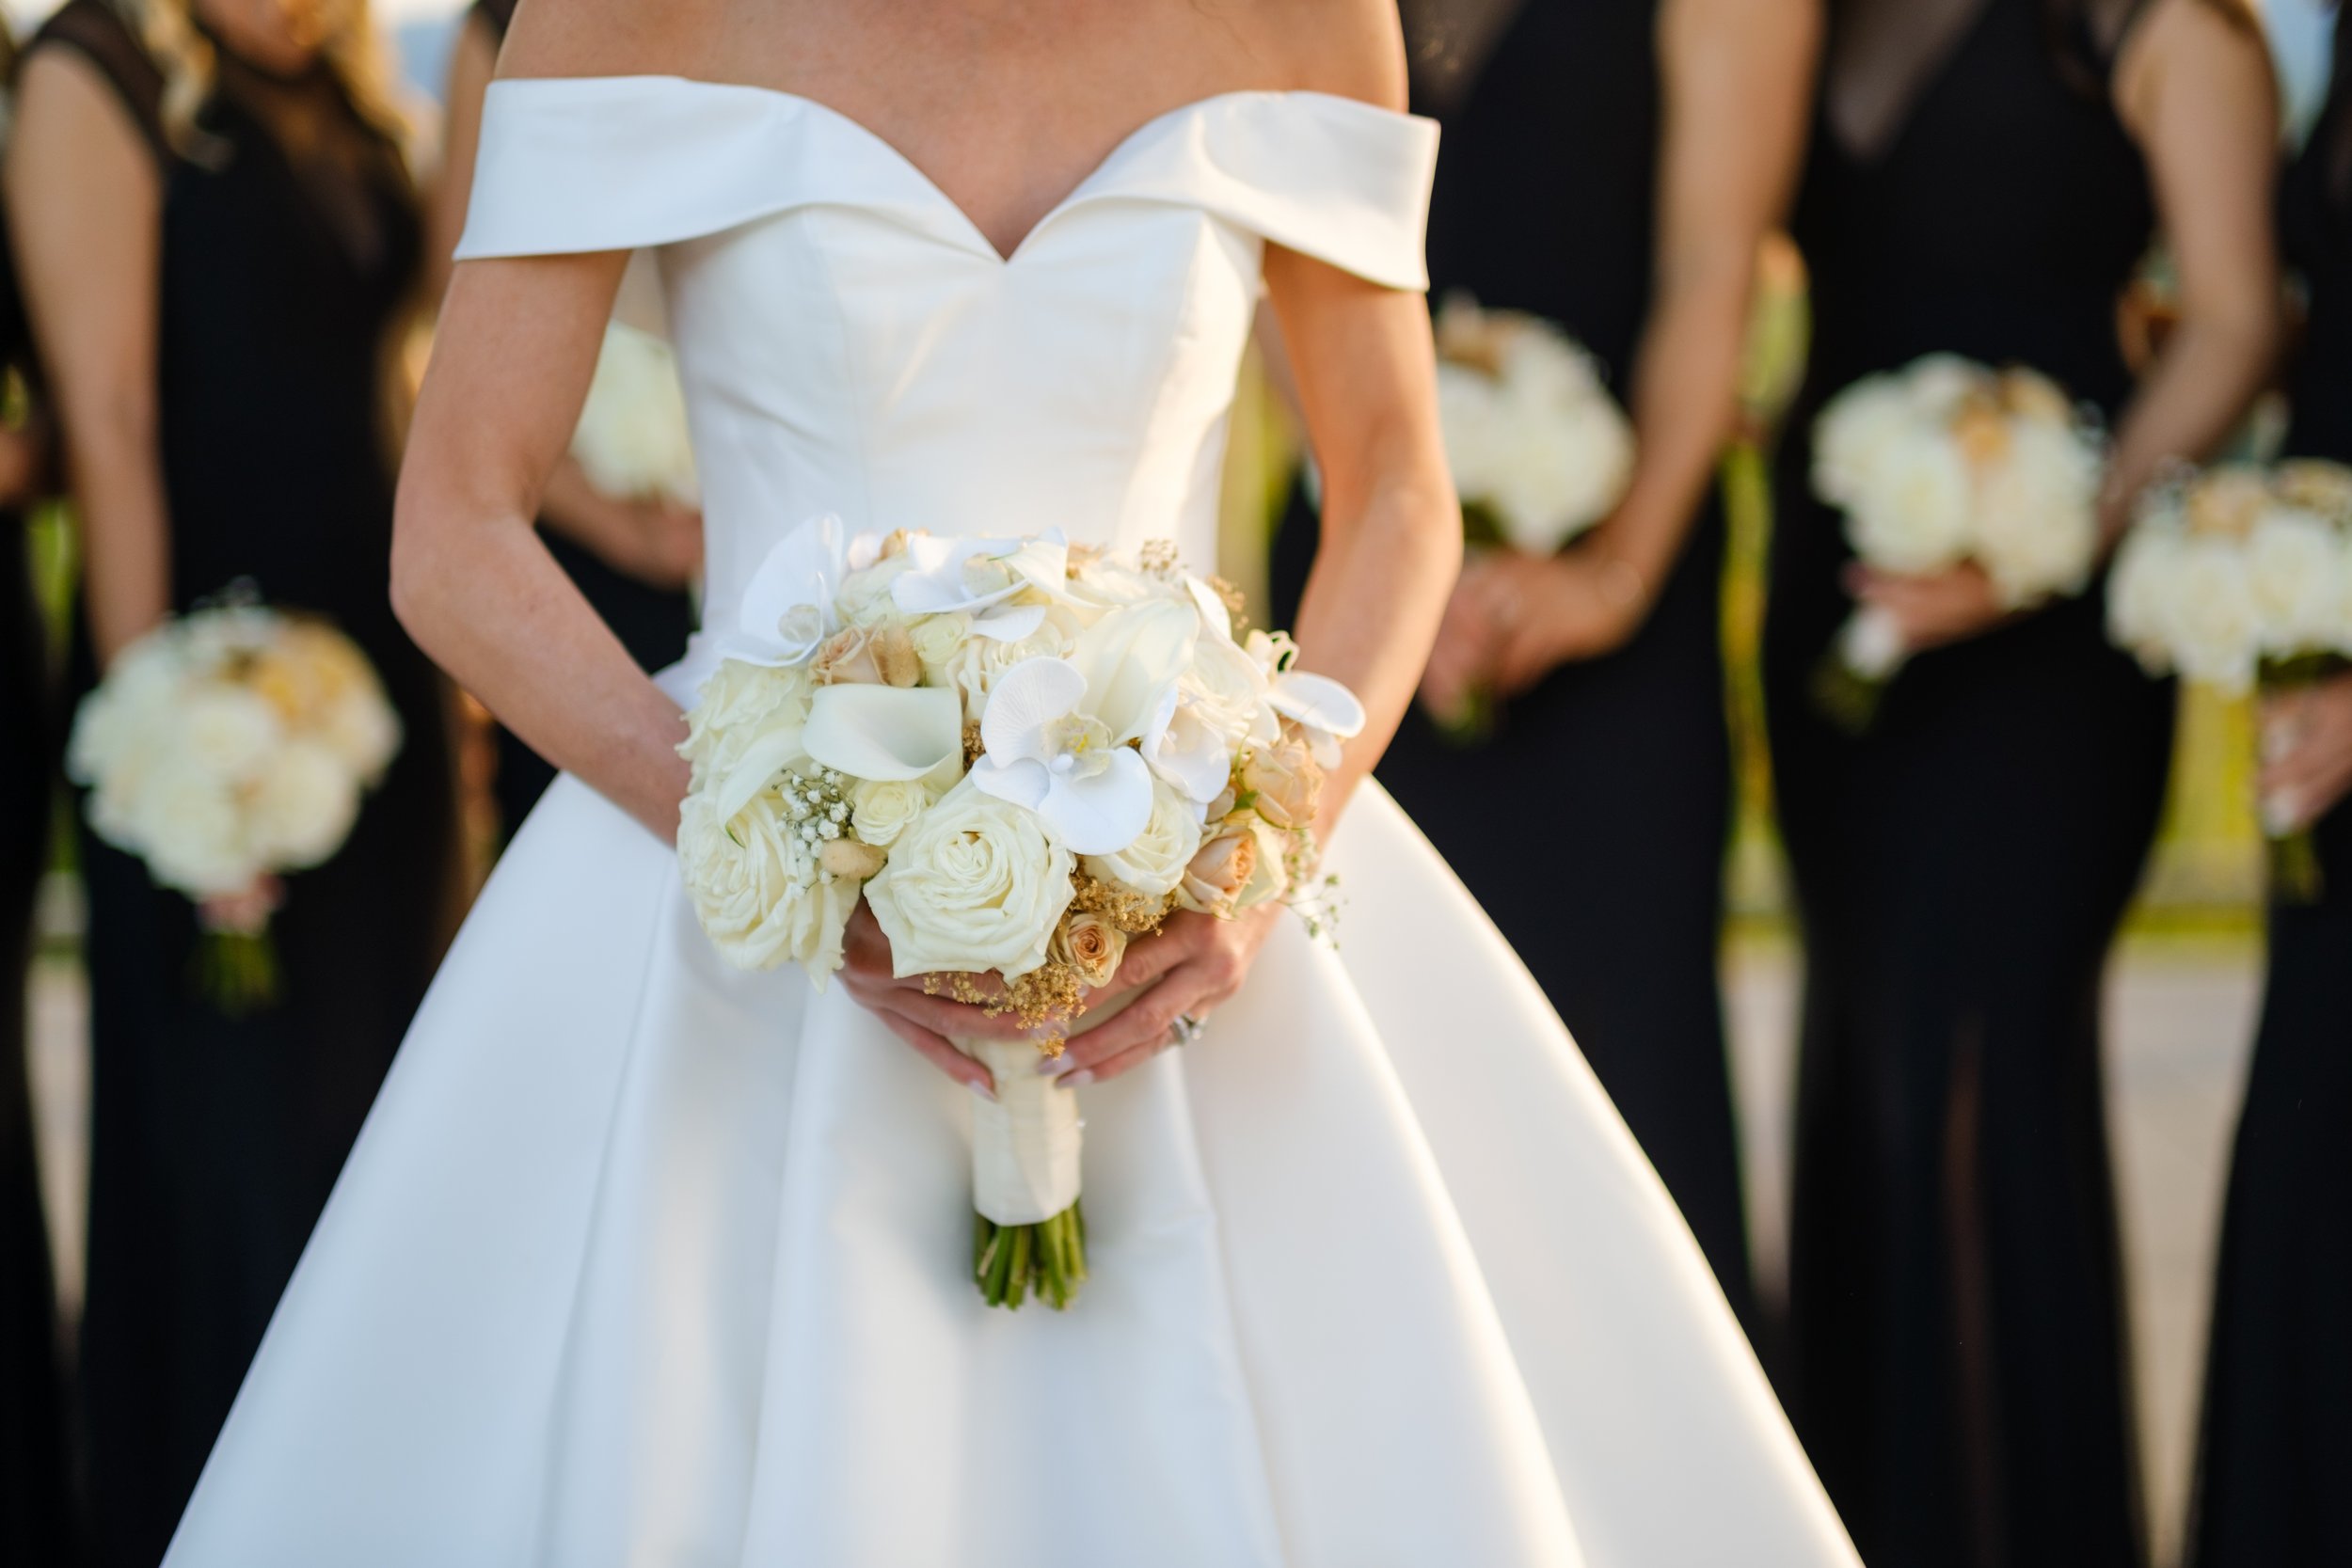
[[975, 668], [975, 885], [1937, 384], [1851, 438], [1914, 512], [741, 706], [760, 889], [224, 732], [1560, 469], [937, 641], [1467, 405], [186, 827], [2213, 624], [2294, 562], [2139, 594], [881, 811], [2037, 518], [632, 437], [362, 728], [128, 709], [1154, 863], [303, 806]]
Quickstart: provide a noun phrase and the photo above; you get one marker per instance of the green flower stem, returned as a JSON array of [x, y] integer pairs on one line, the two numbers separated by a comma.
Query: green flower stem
[[237, 972], [1012, 1263]]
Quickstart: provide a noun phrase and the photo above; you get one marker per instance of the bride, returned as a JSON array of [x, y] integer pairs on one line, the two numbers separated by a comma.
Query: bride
[[641, 1259]]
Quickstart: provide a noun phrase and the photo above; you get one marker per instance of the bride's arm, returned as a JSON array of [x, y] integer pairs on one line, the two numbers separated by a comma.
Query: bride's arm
[[472, 582], [1392, 545]]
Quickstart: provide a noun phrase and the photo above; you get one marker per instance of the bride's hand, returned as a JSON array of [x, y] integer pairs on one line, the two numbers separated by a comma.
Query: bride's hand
[[1189, 968], [928, 1023]]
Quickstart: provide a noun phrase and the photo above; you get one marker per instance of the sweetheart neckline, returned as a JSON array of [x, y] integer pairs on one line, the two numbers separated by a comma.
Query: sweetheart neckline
[[973, 232]]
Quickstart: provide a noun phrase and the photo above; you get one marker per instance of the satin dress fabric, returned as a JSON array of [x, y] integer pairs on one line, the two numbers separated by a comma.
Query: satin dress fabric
[[645, 1260]]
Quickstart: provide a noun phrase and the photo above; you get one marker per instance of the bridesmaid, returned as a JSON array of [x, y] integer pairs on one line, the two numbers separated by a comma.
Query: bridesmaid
[[1612, 165], [633, 559], [1986, 175], [33, 1496], [219, 243], [2278, 1432]]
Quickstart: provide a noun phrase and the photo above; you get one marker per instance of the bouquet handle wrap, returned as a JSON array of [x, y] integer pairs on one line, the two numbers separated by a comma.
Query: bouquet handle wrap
[[1025, 1144]]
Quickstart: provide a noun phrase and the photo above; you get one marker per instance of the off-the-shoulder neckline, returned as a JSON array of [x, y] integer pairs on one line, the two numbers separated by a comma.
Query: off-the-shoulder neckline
[[1126, 145]]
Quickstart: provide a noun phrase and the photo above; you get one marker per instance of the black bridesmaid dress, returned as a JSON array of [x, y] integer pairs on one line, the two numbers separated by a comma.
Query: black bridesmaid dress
[[1616, 770], [1959, 1370], [288, 258], [653, 623], [2275, 1481], [35, 1516]]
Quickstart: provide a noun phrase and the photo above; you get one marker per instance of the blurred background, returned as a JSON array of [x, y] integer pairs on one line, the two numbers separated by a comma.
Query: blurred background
[[2184, 987]]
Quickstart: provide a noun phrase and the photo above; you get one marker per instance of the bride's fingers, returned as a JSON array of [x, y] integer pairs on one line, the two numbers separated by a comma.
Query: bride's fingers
[[1148, 1022], [949, 1020], [945, 1058], [1150, 958]]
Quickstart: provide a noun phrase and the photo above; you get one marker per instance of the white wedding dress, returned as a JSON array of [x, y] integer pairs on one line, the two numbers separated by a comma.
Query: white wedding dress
[[644, 1260]]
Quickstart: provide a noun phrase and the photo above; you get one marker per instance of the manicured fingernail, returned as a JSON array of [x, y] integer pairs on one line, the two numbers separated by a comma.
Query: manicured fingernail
[[1052, 1067], [2282, 813], [981, 1089], [1078, 1080]]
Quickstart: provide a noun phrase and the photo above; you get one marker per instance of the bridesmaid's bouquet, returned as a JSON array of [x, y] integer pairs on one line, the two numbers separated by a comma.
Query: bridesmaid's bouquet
[[1946, 461], [1539, 449], [223, 748], [1023, 754], [631, 440], [2239, 577]]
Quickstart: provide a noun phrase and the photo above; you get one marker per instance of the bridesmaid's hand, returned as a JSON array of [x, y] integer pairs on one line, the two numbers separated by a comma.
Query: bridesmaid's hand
[[1514, 618], [2306, 753], [660, 544], [1189, 968], [928, 1023], [1933, 609]]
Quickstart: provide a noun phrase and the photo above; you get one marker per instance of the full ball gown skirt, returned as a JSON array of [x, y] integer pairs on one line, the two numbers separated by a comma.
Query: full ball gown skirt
[[1629, 752], [641, 1258]]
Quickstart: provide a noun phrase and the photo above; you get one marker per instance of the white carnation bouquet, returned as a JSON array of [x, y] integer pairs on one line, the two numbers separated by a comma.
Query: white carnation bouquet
[[631, 440], [1022, 754], [2239, 578], [225, 747], [1946, 461]]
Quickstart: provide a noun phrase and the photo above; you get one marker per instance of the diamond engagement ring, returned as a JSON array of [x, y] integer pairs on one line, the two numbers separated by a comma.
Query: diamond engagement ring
[[1187, 1029]]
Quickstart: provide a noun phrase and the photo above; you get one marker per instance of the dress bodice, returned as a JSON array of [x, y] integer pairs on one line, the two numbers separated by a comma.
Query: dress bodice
[[852, 344]]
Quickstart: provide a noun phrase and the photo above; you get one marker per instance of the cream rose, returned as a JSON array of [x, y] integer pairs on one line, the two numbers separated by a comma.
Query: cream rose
[[937, 640], [2037, 523], [881, 811], [1912, 513], [2214, 626], [975, 666], [2293, 561], [1284, 779], [760, 889], [742, 705], [1091, 945], [1156, 861], [882, 653], [188, 829], [977, 884], [303, 806]]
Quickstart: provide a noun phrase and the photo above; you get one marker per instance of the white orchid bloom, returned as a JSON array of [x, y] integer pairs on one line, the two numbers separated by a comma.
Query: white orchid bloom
[[1328, 712], [1067, 738], [788, 606], [979, 578]]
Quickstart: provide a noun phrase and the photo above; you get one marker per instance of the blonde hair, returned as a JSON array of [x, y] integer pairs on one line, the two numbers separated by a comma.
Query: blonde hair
[[186, 61]]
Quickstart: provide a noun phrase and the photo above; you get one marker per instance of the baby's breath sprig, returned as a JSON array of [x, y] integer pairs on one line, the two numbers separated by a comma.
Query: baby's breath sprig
[[1314, 893], [1136, 914], [817, 804]]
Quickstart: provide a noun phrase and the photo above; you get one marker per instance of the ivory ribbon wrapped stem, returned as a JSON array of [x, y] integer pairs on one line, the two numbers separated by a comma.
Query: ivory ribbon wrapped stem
[[1026, 1144]]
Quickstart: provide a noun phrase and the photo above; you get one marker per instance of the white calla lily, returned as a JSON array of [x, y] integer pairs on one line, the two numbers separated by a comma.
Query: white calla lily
[[1048, 751], [787, 607], [886, 734]]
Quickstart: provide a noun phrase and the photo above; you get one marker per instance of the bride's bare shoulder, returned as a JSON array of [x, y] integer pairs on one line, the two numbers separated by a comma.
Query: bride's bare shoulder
[[614, 37], [1350, 48]]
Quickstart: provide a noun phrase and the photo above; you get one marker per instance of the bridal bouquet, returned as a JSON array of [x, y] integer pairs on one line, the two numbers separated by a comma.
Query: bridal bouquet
[[2238, 578], [631, 439], [224, 748], [1947, 461], [1023, 754]]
